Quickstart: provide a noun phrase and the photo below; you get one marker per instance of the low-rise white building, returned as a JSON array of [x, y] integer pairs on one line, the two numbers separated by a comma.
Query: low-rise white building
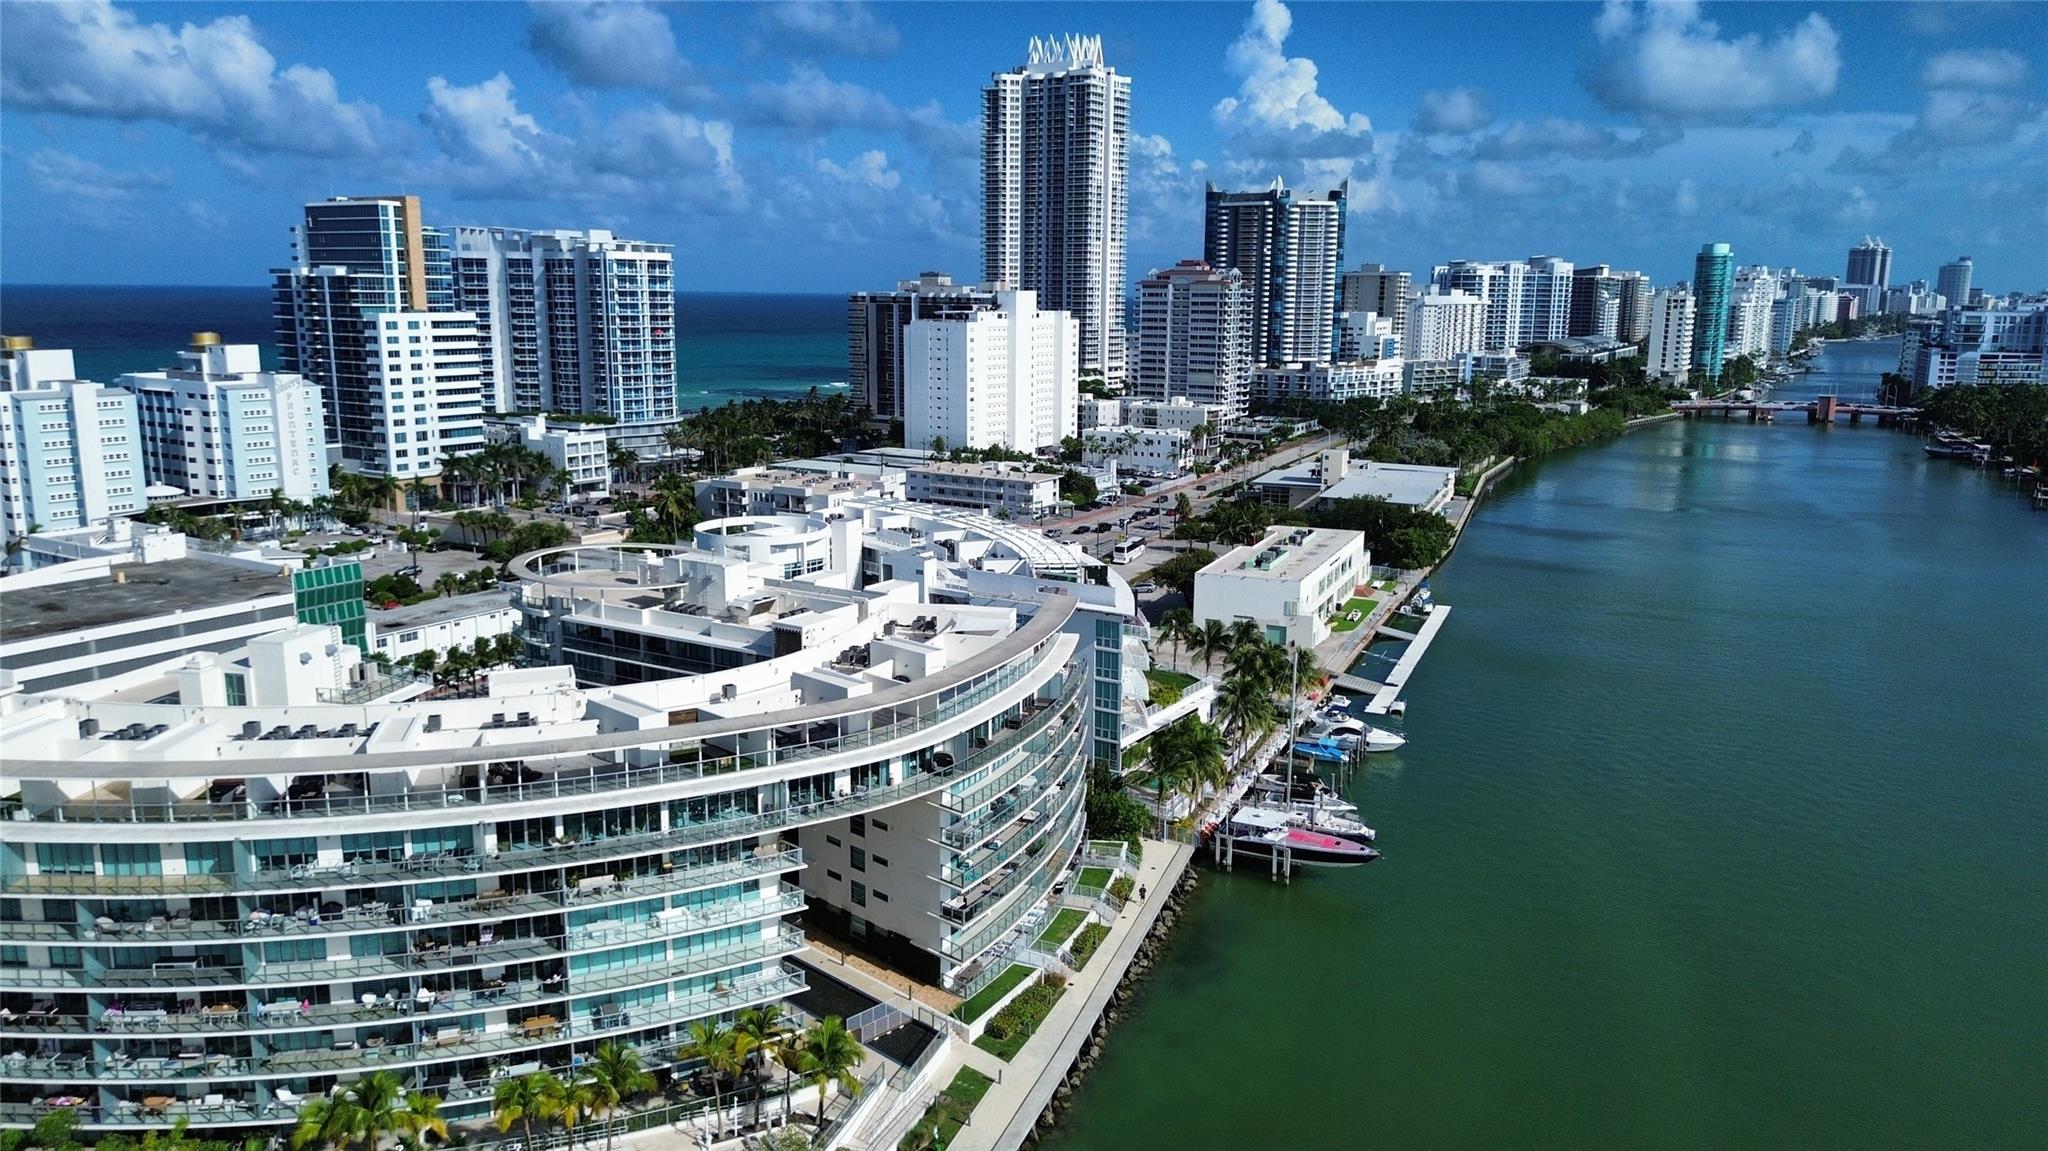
[[1098, 412], [441, 625], [1140, 451], [577, 449], [221, 427], [1288, 583], [779, 491], [996, 486], [70, 449], [1178, 412], [1349, 380], [1333, 475]]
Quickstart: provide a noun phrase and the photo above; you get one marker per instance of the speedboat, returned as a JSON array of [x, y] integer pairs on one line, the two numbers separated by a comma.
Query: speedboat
[[1307, 794], [1263, 834], [1350, 734], [1318, 818], [1326, 750]]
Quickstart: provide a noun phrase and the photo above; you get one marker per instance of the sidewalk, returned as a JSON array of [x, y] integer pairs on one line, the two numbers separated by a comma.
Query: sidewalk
[[1011, 1107]]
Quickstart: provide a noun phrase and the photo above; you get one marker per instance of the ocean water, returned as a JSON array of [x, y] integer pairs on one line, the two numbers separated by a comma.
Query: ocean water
[[728, 346], [1723, 823]]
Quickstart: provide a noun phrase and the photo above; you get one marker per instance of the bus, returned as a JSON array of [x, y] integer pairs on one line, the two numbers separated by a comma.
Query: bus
[[1127, 550]]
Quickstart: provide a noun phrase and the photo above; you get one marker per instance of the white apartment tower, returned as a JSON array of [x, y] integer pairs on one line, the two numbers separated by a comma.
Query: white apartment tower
[[365, 312], [580, 322], [1502, 286], [1371, 288], [223, 428], [70, 450], [1055, 171], [1547, 304], [874, 333], [1290, 252], [1194, 336], [1671, 325], [1445, 324], [1749, 312], [1008, 375]]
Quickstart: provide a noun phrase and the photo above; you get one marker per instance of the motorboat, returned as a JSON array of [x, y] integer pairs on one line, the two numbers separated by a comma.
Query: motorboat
[[1350, 734], [1306, 793], [1318, 818], [1422, 603], [1324, 750], [1264, 834]]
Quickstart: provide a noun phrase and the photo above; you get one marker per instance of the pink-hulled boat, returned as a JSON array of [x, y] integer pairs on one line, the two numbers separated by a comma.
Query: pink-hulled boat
[[1262, 833]]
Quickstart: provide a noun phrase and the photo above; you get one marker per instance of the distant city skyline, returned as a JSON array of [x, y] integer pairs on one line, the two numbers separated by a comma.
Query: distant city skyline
[[836, 147]]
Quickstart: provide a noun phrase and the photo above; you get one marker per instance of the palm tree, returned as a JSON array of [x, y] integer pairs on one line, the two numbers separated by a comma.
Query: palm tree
[[828, 1053], [1203, 756], [1246, 633], [1245, 705], [1176, 627], [714, 1043], [524, 1099], [1211, 640], [570, 1101], [366, 1111], [616, 1077], [763, 1031]]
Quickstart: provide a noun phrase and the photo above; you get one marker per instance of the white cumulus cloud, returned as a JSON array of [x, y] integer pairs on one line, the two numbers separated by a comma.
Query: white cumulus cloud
[[482, 124], [618, 44], [215, 80], [841, 29], [1278, 110], [1664, 60], [1453, 112], [1978, 68]]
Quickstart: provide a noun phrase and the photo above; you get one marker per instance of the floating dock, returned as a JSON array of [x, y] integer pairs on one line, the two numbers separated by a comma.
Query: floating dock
[[1382, 693]]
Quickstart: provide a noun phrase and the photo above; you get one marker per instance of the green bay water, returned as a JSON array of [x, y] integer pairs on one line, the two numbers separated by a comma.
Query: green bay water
[[1723, 823]]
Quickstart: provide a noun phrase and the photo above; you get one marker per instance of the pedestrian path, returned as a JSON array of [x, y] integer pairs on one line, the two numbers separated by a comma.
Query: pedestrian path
[[1027, 1082]]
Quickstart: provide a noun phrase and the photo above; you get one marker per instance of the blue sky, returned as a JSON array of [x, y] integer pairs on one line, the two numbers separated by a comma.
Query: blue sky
[[826, 147]]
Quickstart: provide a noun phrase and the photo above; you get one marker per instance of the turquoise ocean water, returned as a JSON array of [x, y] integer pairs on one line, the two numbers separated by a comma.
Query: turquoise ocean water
[[728, 346]]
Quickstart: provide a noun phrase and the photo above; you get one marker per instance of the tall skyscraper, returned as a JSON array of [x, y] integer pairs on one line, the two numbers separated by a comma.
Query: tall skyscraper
[[874, 333], [1547, 304], [365, 312], [1503, 286], [1870, 262], [1055, 174], [1289, 251], [1596, 302], [1007, 375], [1712, 276], [1671, 334], [1635, 307], [1194, 336], [1371, 288], [580, 322], [1750, 297], [1953, 281]]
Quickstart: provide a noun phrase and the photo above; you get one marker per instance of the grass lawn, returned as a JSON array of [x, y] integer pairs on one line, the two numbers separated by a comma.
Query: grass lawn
[[955, 1104], [1351, 605], [984, 999], [1093, 878], [1063, 925], [1167, 686]]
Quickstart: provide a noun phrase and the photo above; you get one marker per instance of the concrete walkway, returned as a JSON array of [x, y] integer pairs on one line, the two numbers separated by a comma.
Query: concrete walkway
[[1027, 1082]]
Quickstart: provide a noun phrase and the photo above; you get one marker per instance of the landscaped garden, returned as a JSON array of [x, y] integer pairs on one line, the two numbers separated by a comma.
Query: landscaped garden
[[1092, 879], [1091, 937], [1167, 686], [1062, 926], [973, 1008], [1007, 1033], [948, 1113], [1343, 620]]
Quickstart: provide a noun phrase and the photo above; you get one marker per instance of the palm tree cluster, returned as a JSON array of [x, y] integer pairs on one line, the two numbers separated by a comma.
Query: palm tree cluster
[[821, 1054], [743, 433], [501, 473], [667, 514], [599, 1087], [466, 663], [363, 1114]]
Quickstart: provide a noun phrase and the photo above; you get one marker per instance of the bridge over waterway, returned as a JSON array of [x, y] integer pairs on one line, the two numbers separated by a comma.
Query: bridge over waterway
[[1819, 410]]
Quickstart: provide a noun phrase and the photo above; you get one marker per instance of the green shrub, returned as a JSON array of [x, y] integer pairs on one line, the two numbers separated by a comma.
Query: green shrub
[[1091, 937], [1121, 887]]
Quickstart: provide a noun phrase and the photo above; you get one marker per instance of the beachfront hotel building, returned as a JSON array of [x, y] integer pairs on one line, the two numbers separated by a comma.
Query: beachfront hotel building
[[70, 449], [221, 427], [366, 312], [874, 333], [1055, 173], [580, 322], [240, 878]]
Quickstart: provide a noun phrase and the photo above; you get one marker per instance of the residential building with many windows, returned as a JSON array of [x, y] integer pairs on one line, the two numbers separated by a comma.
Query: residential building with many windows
[[1502, 287], [1055, 171], [1289, 250], [71, 451], [1007, 375], [997, 486], [1712, 285], [1194, 336], [1671, 333], [1444, 323], [220, 427], [579, 322], [874, 333], [1372, 288]]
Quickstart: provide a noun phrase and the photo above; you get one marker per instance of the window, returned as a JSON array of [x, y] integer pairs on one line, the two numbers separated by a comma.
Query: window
[[64, 858], [858, 825], [880, 826], [833, 840], [881, 861], [881, 895], [832, 875], [132, 859], [860, 894], [859, 859]]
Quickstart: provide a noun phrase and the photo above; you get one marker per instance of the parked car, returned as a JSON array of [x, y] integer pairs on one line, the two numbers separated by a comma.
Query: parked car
[[1146, 588]]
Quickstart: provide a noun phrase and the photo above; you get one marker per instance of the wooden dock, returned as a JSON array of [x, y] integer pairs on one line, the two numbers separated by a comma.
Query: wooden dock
[[1382, 693]]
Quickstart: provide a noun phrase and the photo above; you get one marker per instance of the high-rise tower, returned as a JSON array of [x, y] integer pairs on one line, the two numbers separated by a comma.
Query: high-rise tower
[[1055, 173], [1713, 273], [1954, 281], [1289, 252], [1870, 262]]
